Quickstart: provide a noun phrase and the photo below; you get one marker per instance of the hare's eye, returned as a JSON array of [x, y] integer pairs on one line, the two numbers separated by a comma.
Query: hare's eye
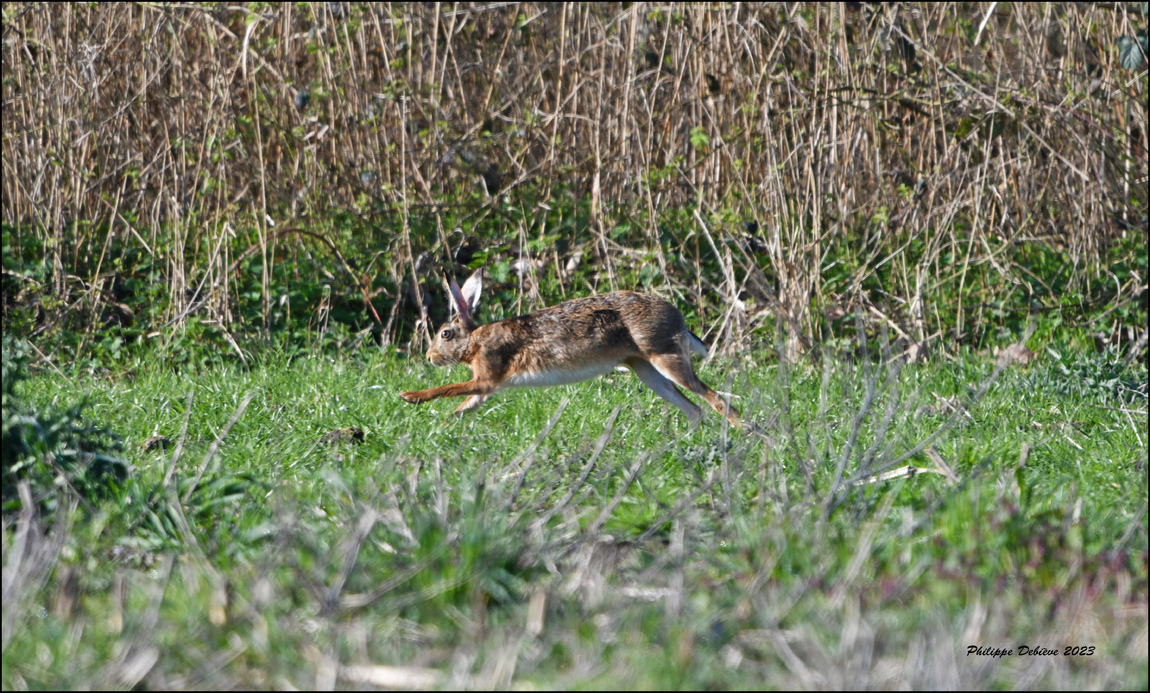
[[445, 335]]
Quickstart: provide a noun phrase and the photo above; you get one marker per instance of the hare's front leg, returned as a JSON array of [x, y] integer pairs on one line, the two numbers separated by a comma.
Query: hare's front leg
[[471, 387], [471, 404]]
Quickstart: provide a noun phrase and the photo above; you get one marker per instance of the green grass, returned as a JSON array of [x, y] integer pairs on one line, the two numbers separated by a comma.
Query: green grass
[[719, 565]]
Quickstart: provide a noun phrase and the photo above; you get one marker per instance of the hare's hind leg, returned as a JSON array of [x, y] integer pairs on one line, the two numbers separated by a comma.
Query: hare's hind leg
[[664, 388], [677, 367]]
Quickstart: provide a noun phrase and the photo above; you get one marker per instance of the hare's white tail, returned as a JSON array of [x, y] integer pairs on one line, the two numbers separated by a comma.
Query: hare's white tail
[[696, 344]]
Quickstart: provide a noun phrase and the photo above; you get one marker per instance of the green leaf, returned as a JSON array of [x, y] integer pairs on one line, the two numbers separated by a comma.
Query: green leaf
[[1132, 51], [699, 139], [478, 260], [500, 270]]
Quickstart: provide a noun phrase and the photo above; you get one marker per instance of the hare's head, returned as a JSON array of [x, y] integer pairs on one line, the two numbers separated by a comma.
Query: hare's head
[[452, 338]]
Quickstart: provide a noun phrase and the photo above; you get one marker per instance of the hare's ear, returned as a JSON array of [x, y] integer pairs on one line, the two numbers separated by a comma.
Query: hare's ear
[[472, 288], [466, 300]]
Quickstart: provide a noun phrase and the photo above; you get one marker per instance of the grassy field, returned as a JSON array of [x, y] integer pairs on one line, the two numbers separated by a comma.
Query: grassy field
[[585, 536], [225, 230]]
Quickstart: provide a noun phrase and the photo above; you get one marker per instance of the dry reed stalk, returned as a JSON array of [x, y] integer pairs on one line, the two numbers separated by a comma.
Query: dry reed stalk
[[847, 135]]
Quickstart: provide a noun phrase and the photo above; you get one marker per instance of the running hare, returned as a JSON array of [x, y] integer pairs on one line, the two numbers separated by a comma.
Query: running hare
[[568, 343]]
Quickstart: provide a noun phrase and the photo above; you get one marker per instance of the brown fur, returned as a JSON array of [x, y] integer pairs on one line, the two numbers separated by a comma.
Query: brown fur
[[569, 342]]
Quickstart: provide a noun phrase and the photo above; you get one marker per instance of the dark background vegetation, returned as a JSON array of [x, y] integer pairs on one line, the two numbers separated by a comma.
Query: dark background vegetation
[[227, 175], [914, 234]]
